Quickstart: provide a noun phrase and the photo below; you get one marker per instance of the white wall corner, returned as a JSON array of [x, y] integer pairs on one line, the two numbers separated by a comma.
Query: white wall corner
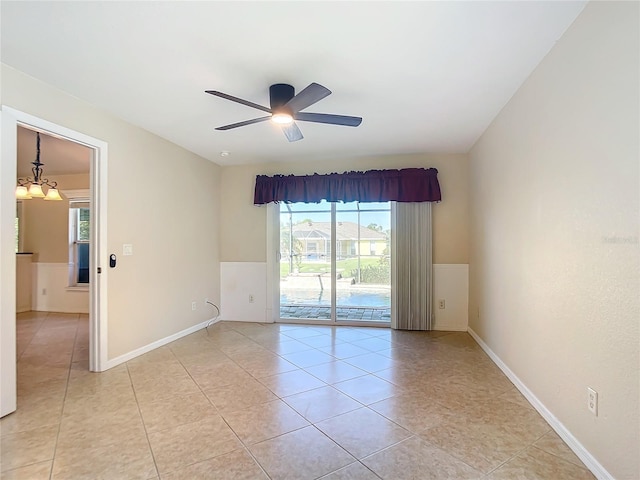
[[589, 460]]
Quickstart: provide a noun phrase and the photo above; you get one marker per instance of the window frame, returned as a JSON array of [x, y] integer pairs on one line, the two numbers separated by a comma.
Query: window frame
[[76, 242], [275, 212], [78, 200]]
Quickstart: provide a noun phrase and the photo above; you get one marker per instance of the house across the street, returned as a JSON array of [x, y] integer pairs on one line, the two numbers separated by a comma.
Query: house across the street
[[352, 240]]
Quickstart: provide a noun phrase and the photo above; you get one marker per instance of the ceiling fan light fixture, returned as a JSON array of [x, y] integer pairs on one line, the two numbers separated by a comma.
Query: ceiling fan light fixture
[[286, 106], [281, 118]]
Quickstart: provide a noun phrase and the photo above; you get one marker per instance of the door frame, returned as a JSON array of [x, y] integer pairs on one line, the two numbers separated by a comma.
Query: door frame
[[10, 119], [273, 276]]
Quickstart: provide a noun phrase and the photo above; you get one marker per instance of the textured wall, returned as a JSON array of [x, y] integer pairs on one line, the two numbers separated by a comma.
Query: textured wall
[[174, 235], [554, 271], [244, 230], [46, 224]]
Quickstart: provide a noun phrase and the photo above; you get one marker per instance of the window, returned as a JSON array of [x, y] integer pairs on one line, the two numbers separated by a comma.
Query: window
[[79, 241], [312, 250], [354, 285]]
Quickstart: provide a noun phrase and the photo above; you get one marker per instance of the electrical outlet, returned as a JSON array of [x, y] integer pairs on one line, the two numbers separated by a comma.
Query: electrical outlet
[[251, 298], [441, 304], [592, 401], [194, 305], [44, 291]]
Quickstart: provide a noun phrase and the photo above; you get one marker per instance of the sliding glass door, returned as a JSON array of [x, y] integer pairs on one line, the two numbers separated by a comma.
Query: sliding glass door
[[363, 262], [335, 262], [305, 261]]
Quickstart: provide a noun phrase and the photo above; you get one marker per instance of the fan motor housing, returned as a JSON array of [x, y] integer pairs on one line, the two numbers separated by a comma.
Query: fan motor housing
[[280, 94]]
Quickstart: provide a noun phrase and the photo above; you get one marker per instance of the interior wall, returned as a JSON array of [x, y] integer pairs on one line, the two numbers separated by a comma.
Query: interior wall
[[239, 280], [244, 225], [45, 234], [451, 287], [45, 225], [174, 237], [7, 268], [554, 202]]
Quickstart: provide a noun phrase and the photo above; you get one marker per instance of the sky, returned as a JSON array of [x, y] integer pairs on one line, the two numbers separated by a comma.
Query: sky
[[321, 212]]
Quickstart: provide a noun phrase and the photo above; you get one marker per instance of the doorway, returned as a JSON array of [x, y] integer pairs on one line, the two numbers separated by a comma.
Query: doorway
[[10, 121], [335, 263]]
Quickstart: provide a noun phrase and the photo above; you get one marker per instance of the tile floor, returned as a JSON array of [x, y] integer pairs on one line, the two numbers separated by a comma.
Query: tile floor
[[254, 401]]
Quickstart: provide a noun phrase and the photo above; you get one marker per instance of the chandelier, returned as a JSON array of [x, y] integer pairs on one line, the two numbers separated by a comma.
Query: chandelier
[[32, 187]]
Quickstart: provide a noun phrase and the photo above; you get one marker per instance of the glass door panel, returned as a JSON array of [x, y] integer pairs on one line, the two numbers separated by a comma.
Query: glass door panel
[[305, 261], [363, 262], [358, 268]]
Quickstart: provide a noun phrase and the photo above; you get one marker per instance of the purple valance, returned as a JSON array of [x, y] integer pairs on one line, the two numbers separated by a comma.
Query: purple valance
[[406, 185]]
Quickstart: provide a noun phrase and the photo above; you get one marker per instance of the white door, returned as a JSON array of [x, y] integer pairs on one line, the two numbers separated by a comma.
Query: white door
[[9, 121]]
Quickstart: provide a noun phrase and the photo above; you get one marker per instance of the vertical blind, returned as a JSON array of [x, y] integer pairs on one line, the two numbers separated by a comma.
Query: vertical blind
[[413, 266]]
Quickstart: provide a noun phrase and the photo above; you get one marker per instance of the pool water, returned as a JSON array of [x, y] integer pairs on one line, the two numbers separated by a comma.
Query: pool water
[[343, 299]]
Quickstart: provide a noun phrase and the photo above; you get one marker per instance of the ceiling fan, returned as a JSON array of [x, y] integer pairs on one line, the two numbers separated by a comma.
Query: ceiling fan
[[286, 107]]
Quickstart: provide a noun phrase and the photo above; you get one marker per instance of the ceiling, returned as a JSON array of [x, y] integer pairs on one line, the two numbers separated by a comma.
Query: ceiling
[[425, 76], [60, 157]]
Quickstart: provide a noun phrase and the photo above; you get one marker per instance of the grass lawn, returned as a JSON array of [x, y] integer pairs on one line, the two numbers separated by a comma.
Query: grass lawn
[[343, 266]]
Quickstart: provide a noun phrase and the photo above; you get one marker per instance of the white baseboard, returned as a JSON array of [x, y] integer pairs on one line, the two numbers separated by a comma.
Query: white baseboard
[[589, 460], [244, 320], [114, 362], [450, 328]]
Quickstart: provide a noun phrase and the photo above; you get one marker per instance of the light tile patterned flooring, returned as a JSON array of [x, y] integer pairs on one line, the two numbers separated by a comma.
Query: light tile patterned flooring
[[254, 401]]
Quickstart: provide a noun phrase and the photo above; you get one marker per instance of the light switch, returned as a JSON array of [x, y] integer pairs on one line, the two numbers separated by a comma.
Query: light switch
[[127, 249]]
